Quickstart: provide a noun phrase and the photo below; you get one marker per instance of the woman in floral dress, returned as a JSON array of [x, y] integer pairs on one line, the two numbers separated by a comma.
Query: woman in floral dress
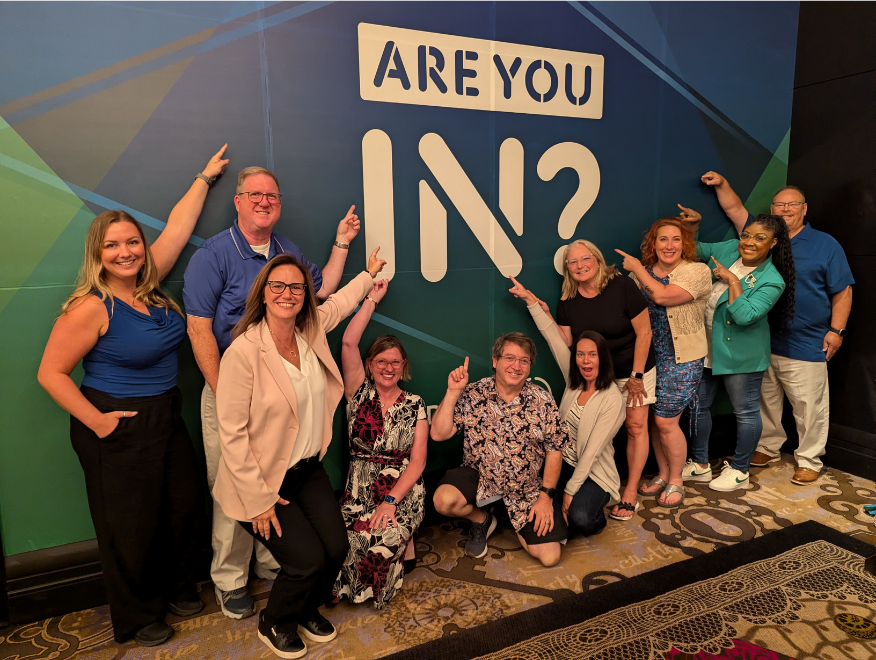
[[385, 498]]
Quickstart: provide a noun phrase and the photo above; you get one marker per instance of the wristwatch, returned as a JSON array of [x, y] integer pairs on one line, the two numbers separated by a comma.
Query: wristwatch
[[550, 491], [841, 333], [638, 375], [389, 499]]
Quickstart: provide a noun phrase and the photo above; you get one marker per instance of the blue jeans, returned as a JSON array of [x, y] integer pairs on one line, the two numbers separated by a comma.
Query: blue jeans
[[744, 392], [587, 510]]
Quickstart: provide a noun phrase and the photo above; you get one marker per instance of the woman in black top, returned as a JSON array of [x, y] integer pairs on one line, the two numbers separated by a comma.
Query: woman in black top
[[595, 297]]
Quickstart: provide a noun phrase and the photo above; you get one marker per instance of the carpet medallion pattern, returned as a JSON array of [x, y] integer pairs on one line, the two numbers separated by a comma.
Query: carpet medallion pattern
[[779, 602], [449, 592]]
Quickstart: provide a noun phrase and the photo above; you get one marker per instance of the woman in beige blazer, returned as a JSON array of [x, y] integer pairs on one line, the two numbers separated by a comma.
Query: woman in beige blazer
[[677, 287], [277, 393]]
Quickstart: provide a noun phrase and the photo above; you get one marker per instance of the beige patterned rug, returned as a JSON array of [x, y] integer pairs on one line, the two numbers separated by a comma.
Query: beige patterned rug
[[449, 592]]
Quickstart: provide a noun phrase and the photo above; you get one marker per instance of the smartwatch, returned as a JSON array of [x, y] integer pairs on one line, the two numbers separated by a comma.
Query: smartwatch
[[550, 491], [389, 499], [638, 375], [841, 333]]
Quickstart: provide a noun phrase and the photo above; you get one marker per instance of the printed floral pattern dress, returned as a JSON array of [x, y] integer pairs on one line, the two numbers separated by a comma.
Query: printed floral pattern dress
[[676, 382], [380, 450]]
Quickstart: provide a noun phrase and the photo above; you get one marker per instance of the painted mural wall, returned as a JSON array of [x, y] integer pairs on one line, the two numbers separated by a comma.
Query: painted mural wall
[[475, 139]]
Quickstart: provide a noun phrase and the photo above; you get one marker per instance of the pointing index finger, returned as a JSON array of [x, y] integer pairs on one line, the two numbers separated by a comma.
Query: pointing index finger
[[621, 252], [465, 364], [352, 208]]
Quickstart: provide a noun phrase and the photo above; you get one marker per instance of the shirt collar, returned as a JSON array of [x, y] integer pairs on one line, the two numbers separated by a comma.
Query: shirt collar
[[245, 251], [803, 234], [493, 392]]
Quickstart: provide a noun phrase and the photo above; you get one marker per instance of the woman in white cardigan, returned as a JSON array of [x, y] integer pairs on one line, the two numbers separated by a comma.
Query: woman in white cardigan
[[593, 409]]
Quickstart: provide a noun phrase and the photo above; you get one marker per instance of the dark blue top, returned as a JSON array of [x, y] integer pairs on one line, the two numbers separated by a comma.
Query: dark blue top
[[822, 271], [220, 273], [137, 356]]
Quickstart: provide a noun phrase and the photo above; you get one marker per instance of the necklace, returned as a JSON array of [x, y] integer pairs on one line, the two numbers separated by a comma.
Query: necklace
[[292, 353], [392, 399]]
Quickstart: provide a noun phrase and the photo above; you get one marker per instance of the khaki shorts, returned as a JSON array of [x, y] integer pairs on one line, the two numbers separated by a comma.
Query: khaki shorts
[[650, 381]]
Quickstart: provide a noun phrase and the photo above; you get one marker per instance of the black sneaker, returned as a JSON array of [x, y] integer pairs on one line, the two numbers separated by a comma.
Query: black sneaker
[[154, 634], [286, 644], [476, 546], [187, 603], [235, 604], [317, 627]]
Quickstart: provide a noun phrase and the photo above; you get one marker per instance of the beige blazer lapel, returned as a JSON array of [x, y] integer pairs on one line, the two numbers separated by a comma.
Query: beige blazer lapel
[[275, 365]]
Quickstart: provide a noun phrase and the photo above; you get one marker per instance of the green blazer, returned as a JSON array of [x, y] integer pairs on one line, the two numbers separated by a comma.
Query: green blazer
[[740, 332]]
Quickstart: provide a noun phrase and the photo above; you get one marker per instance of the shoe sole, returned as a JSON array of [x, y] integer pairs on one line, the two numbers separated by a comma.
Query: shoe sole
[[178, 611], [283, 654], [772, 460], [317, 638], [154, 642], [804, 483], [700, 478], [229, 613], [626, 518], [490, 530], [731, 489]]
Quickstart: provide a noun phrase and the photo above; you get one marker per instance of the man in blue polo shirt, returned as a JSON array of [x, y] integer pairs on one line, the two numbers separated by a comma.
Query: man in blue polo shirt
[[217, 281], [798, 364]]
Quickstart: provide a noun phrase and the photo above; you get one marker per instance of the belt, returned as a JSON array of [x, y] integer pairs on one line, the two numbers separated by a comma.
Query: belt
[[304, 462]]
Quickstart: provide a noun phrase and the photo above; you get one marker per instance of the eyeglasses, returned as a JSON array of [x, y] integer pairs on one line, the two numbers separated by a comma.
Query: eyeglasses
[[571, 263], [510, 359], [383, 364], [256, 197], [787, 205], [757, 238], [296, 288]]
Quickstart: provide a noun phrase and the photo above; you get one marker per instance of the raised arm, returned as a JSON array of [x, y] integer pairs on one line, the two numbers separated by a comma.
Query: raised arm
[[340, 305], [443, 427], [668, 295], [181, 222], [728, 199], [75, 333], [334, 269], [351, 358]]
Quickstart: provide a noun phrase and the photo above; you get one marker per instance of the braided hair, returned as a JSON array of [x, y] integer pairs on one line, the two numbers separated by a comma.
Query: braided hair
[[782, 313]]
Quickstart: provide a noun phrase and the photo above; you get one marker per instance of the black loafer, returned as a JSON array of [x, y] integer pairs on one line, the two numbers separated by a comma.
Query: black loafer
[[154, 634], [283, 643], [317, 627]]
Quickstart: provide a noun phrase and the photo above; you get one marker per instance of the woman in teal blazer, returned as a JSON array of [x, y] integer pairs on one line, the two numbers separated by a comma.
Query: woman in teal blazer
[[750, 277]]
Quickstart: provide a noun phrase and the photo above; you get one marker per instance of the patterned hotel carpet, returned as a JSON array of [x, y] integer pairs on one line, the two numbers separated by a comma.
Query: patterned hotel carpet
[[449, 591]]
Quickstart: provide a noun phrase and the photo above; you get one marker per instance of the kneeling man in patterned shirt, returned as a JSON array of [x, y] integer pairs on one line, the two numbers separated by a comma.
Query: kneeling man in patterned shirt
[[513, 439]]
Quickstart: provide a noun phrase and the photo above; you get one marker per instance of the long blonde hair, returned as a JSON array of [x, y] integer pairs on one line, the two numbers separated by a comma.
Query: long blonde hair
[[92, 278], [604, 274], [308, 318]]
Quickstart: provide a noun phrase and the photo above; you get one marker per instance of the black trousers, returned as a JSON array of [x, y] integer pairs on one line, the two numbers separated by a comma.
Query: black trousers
[[313, 546], [147, 503]]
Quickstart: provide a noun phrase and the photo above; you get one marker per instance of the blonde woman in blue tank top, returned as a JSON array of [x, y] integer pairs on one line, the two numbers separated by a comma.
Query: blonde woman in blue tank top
[[144, 489]]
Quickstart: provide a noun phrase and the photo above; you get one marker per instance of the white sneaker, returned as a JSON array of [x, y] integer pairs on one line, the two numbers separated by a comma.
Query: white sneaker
[[729, 479], [693, 472]]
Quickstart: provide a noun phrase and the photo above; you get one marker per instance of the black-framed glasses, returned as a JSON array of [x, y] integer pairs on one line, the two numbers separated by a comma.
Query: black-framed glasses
[[296, 288], [256, 197]]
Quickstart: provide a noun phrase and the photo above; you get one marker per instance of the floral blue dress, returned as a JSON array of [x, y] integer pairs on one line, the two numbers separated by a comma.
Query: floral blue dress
[[676, 382]]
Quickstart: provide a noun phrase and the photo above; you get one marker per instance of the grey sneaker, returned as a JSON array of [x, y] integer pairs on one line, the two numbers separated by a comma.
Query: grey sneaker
[[235, 604], [476, 546]]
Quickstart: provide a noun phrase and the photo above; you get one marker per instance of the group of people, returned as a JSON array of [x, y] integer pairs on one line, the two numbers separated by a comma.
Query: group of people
[[634, 351]]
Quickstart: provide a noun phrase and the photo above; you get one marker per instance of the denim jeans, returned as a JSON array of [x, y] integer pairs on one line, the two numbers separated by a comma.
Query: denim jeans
[[587, 510], [744, 392]]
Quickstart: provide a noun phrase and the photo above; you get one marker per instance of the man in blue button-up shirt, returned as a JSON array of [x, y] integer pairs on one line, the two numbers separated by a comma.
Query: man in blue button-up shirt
[[798, 363], [217, 281]]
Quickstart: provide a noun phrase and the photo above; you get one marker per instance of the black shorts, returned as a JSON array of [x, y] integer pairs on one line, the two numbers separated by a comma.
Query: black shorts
[[465, 480]]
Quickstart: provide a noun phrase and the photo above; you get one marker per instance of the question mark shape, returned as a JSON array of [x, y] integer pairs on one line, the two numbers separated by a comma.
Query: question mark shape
[[582, 160]]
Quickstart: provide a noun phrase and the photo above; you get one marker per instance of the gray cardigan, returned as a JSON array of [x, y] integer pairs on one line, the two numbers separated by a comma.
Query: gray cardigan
[[602, 416]]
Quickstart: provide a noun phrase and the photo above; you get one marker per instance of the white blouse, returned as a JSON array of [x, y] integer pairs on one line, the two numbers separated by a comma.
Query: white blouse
[[309, 386]]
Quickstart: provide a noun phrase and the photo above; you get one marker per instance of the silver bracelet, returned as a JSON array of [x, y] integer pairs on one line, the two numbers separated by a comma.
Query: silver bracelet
[[203, 177], [343, 246]]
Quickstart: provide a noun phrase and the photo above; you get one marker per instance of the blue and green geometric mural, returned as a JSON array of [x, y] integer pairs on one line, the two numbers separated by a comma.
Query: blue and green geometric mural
[[119, 105]]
